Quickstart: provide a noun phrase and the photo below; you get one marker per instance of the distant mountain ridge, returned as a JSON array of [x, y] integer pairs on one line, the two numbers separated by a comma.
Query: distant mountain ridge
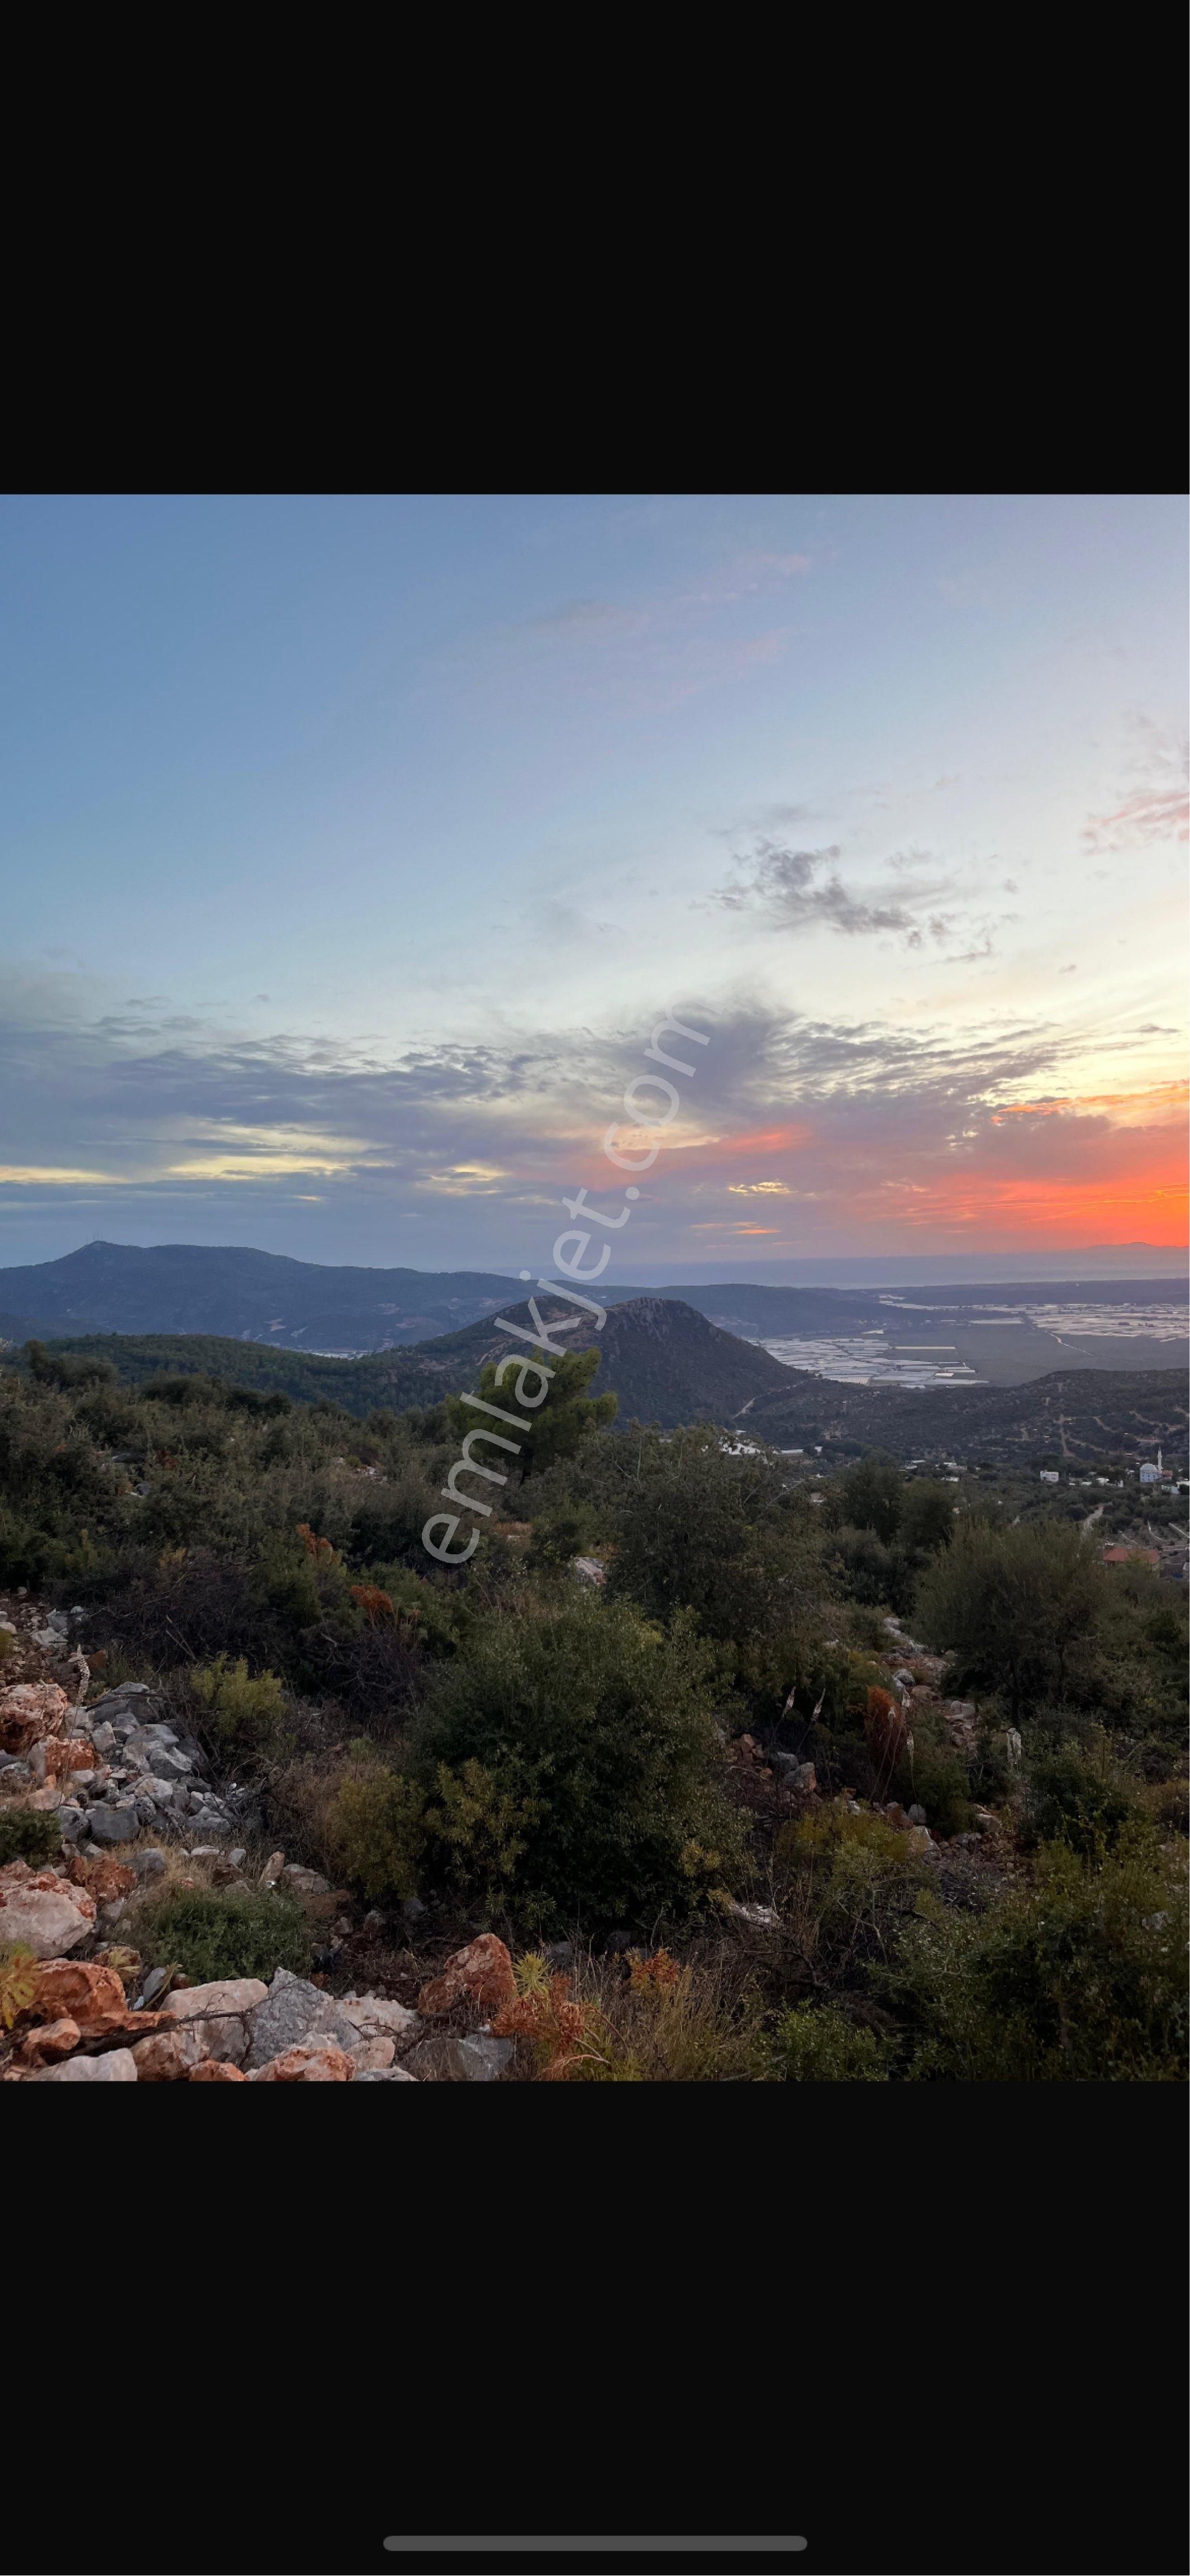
[[667, 1364], [237, 1293], [664, 1362]]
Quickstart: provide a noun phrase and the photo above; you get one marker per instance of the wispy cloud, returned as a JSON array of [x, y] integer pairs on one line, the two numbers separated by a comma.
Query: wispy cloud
[[802, 890], [1158, 807]]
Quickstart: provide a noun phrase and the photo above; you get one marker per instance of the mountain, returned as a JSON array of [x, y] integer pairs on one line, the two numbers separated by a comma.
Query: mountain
[[254, 1296], [264, 1297], [664, 1362], [667, 1364]]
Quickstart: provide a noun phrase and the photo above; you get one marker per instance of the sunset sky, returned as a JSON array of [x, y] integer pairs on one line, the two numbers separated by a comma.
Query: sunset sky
[[355, 846]]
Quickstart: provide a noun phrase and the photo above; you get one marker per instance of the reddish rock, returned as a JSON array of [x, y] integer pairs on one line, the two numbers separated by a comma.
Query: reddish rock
[[169, 2055], [481, 1974], [69, 1753], [93, 1996], [55, 2040], [372, 2056], [103, 1879], [43, 1911], [308, 2064], [29, 1711], [214, 2071]]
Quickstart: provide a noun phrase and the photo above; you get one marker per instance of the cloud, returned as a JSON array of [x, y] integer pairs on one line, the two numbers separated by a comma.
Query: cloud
[[838, 1134], [802, 890], [1158, 808]]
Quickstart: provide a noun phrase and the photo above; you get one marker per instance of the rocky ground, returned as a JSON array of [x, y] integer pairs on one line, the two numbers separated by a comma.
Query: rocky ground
[[132, 1799]]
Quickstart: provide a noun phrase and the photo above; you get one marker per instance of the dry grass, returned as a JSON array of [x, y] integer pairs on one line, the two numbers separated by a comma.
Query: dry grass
[[704, 2027]]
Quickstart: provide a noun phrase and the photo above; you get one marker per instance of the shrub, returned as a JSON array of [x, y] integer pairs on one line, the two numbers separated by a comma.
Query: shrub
[[1076, 1979], [1020, 1608], [603, 1723], [243, 1711], [817, 2044], [479, 1830], [938, 1782], [368, 1822], [871, 1495], [233, 1934], [1078, 1799], [869, 1571], [26, 1834], [566, 1417]]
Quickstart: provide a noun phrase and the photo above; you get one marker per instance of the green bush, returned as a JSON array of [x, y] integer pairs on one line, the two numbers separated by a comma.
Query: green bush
[[816, 2044], [1078, 1978], [26, 1834], [479, 1831], [938, 1781], [871, 1496], [602, 1723], [243, 1712], [369, 1826], [1019, 1608], [869, 1572], [1076, 1798], [233, 1934]]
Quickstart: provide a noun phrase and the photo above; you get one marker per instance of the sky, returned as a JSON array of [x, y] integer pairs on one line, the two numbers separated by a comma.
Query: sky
[[355, 847]]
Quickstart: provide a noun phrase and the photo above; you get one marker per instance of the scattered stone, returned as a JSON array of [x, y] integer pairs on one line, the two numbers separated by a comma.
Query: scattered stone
[[54, 2041], [447, 2060], [117, 2067], [917, 1814], [30, 1711], [215, 2070], [386, 2075], [91, 1994], [375, 2017], [292, 2012], [170, 2055], [238, 1856], [587, 1569], [222, 1995], [308, 2064], [43, 1911], [372, 2056], [114, 1824], [272, 1869], [305, 1882], [480, 1974], [413, 1911], [148, 1863]]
